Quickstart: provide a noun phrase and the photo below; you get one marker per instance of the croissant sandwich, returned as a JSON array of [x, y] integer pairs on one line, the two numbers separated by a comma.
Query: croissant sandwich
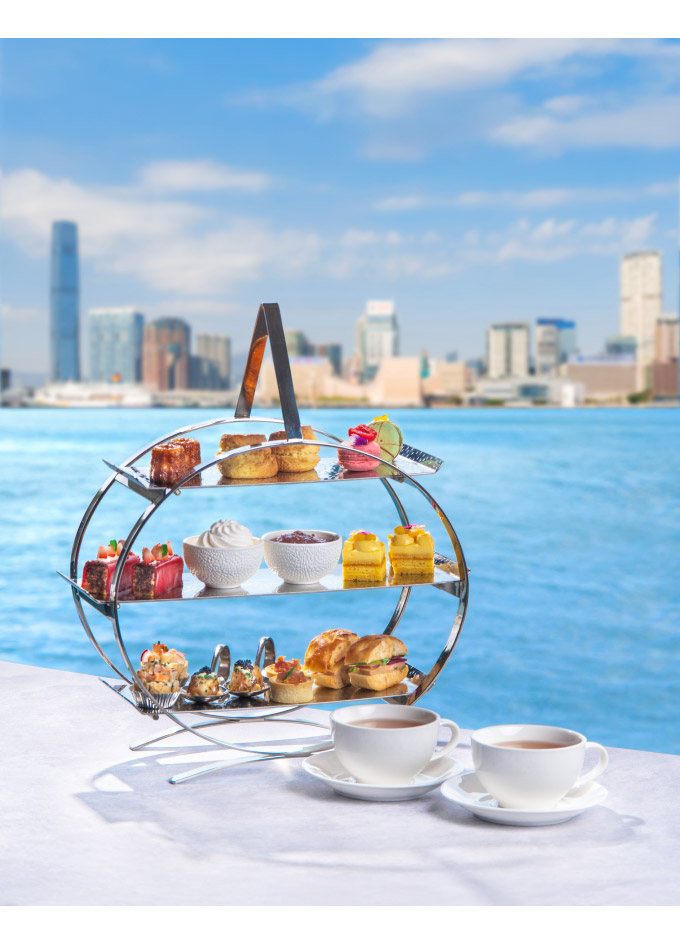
[[325, 658]]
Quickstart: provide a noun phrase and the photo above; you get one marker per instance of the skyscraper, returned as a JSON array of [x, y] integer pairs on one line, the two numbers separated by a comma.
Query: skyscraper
[[667, 342], [507, 350], [165, 354], [641, 293], [116, 344], [64, 303], [555, 343], [211, 367], [377, 336]]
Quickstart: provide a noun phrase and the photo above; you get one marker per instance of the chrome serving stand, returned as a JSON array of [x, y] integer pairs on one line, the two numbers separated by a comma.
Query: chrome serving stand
[[450, 573]]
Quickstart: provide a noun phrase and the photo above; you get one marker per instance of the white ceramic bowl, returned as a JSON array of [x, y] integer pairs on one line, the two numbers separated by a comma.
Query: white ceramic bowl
[[222, 567], [302, 564]]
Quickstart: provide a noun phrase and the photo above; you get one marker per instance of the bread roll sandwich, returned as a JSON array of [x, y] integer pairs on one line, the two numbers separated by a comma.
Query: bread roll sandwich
[[376, 662], [325, 658]]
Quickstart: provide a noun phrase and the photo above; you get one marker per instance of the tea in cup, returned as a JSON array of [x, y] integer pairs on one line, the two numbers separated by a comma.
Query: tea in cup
[[531, 767], [388, 744]]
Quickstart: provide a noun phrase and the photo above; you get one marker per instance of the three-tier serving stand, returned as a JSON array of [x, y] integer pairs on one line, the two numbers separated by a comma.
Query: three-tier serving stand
[[450, 573]]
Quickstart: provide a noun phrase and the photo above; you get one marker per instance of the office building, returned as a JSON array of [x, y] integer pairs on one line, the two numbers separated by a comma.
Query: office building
[[333, 353], [640, 297], [507, 350], [298, 344], [619, 346], [116, 344], [555, 343], [165, 354], [377, 337], [211, 366], [604, 378], [667, 339], [64, 303]]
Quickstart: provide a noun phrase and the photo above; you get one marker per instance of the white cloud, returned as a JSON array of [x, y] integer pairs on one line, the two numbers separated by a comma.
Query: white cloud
[[537, 198], [552, 240], [395, 76], [166, 244], [187, 176], [653, 123]]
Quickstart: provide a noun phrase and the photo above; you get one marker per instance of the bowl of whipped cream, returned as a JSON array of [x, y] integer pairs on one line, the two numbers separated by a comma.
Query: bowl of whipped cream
[[224, 555]]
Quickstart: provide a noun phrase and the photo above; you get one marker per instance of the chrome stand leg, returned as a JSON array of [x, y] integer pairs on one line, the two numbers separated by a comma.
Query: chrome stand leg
[[176, 731]]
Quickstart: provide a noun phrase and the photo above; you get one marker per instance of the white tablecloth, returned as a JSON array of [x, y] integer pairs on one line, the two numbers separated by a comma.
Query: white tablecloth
[[86, 821]]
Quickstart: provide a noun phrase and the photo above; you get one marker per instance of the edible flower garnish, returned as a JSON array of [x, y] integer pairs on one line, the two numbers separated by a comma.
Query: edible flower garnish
[[363, 432]]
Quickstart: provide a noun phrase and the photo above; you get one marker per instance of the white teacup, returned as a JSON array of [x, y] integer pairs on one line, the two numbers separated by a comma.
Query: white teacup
[[531, 767], [392, 753]]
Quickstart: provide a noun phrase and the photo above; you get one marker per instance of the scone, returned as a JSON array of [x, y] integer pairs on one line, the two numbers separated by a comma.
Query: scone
[[251, 465], [296, 458], [325, 658]]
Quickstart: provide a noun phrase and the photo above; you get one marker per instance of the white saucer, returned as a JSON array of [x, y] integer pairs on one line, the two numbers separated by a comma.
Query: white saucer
[[467, 791], [326, 767]]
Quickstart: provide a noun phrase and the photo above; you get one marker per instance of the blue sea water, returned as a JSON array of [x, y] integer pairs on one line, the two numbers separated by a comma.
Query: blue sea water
[[568, 519]]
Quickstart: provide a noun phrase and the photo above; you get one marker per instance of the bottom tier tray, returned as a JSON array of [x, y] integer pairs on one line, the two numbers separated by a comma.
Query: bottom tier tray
[[242, 704]]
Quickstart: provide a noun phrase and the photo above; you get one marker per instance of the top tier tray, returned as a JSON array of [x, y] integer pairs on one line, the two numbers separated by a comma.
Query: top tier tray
[[410, 461]]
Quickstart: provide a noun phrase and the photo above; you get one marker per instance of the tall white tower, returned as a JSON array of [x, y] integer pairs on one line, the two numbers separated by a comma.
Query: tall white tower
[[641, 301]]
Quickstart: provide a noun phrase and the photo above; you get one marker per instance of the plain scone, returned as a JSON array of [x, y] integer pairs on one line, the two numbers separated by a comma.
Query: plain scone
[[261, 464], [296, 458]]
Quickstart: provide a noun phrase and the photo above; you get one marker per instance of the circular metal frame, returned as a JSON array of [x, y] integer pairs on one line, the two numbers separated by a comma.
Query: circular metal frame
[[426, 681]]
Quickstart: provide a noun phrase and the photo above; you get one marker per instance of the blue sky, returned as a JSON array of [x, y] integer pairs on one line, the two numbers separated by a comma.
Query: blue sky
[[470, 181]]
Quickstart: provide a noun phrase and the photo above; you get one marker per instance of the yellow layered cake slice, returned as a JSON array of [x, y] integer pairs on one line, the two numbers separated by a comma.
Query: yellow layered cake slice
[[363, 559], [411, 550]]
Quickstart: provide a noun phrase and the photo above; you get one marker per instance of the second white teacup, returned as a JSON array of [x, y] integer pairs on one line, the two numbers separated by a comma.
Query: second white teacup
[[388, 744], [531, 767]]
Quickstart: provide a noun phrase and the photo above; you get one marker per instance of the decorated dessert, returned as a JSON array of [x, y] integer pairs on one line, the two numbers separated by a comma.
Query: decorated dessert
[[261, 464], [296, 458], [325, 658], [377, 662], [97, 574], [411, 550], [204, 684], [159, 571], [245, 678], [363, 559], [291, 686], [172, 461], [362, 438], [388, 438]]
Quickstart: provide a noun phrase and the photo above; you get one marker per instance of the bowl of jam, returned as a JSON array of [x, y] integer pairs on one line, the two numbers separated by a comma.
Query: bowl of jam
[[301, 556]]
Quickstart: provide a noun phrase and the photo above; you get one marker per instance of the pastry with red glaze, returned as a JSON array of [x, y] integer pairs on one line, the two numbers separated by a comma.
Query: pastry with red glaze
[[97, 574], [159, 571], [364, 439]]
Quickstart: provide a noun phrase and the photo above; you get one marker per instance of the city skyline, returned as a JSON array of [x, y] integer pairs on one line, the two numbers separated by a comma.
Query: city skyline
[[473, 181]]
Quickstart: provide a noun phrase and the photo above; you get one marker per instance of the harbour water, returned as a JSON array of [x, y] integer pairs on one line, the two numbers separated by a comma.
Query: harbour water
[[569, 521]]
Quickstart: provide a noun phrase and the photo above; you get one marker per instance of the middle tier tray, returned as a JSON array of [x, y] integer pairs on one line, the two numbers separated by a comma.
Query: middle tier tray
[[265, 583]]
